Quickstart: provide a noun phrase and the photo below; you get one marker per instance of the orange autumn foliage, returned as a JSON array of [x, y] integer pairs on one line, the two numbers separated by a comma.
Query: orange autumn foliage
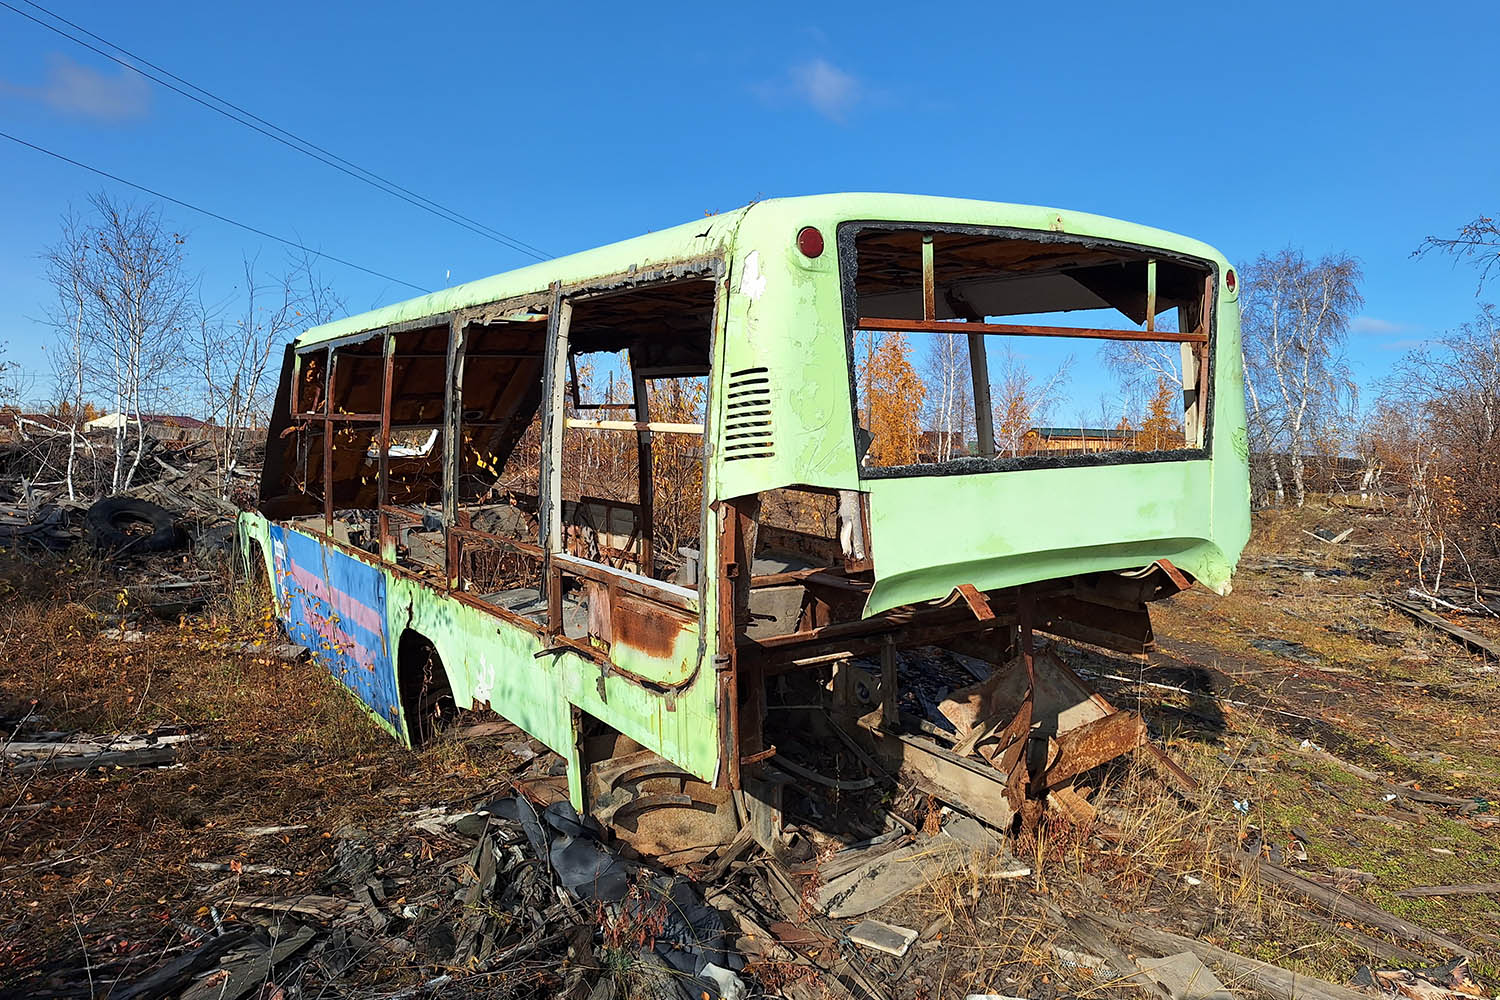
[[1162, 428], [893, 397]]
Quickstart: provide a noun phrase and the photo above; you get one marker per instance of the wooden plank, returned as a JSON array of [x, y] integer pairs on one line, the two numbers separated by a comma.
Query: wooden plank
[[1344, 906], [1472, 640], [1272, 980], [972, 786], [1475, 889], [120, 758]]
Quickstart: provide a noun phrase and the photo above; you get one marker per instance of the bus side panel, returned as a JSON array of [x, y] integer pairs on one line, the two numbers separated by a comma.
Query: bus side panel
[[335, 605]]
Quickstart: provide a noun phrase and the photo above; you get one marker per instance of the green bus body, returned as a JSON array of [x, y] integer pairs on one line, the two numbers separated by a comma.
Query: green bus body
[[785, 317]]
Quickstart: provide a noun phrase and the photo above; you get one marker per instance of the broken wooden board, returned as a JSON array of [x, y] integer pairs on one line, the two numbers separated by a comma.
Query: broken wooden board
[[1272, 980], [970, 785], [888, 876], [1471, 640], [1473, 889], [1344, 906]]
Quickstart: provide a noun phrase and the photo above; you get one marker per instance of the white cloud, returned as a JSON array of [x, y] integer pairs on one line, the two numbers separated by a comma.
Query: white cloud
[[818, 83], [74, 89], [1373, 324]]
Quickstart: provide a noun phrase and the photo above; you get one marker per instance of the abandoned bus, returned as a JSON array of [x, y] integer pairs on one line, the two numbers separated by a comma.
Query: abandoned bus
[[620, 496]]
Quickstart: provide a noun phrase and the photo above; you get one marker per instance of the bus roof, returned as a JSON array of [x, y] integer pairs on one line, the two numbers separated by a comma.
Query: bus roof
[[705, 236]]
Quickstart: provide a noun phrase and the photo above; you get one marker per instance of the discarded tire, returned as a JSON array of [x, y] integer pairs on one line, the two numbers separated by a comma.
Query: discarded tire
[[125, 525]]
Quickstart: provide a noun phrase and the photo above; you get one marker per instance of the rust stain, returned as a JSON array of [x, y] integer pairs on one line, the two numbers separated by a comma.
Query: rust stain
[[642, 625]]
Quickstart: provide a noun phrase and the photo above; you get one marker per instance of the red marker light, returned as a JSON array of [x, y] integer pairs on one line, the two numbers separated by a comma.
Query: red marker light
[[810, 242], [1229, 279]]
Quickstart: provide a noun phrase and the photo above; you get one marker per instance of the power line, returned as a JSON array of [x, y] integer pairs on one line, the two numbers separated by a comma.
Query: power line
[[212, 215], [270, 130]]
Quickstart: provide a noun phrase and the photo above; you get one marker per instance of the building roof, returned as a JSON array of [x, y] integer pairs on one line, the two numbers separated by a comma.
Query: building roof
[[162, 419], [1097, 433]]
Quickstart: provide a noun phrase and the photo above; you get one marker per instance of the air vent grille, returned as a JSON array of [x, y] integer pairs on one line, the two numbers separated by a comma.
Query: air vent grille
[[747, 416]]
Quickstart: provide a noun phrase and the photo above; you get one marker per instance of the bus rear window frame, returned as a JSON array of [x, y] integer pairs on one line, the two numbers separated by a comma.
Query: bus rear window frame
[[847, 233]]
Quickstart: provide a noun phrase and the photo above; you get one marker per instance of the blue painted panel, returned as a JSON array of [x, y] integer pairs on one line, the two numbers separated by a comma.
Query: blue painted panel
[[335, 605]]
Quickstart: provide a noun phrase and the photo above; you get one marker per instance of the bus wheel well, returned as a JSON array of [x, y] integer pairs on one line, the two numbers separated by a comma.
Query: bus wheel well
[[422, 680]]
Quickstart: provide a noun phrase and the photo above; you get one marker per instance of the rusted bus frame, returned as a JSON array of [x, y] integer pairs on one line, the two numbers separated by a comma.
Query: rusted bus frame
[[711, 267], [796, 651], [738, 520], [671, 595], [555, 380], [383, 472], [558, 644], [458, 534], [351, 418], [327, 418], [330, 367], [646, 426], [453, 379]]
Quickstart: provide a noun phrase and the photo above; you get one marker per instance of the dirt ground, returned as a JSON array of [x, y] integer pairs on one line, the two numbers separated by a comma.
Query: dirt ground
[[1297, 703]]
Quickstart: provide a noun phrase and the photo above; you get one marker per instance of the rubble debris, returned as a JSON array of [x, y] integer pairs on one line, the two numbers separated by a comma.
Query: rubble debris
[[1077, 959], [242, 973], [889, 875], [75, 751], [176, 495], [881, 936], [1449, 981], [1185, 977], [180, 970], [48, 527]]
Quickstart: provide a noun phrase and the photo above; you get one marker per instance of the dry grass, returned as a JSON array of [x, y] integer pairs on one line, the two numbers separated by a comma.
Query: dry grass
[[95, 866]]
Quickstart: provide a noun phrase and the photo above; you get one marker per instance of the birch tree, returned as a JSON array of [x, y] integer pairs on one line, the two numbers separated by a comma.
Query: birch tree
[[65, 264], [1450, 390], [1477, 242], [1296, 317], [233, 359], [1023, 400], [122, 271], [950, 396]]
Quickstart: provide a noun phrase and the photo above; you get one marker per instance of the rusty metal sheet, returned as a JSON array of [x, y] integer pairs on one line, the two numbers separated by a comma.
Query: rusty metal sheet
[[643, 625], [1094, 743]]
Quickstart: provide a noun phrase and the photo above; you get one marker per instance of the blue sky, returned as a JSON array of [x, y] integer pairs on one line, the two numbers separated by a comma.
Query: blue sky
[[1326, 126]]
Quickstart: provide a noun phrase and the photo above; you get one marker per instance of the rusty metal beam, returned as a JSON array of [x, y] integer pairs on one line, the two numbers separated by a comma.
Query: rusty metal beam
[[383, 482], [929, 280], [453, 408], [631, 583], [883, 325]]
